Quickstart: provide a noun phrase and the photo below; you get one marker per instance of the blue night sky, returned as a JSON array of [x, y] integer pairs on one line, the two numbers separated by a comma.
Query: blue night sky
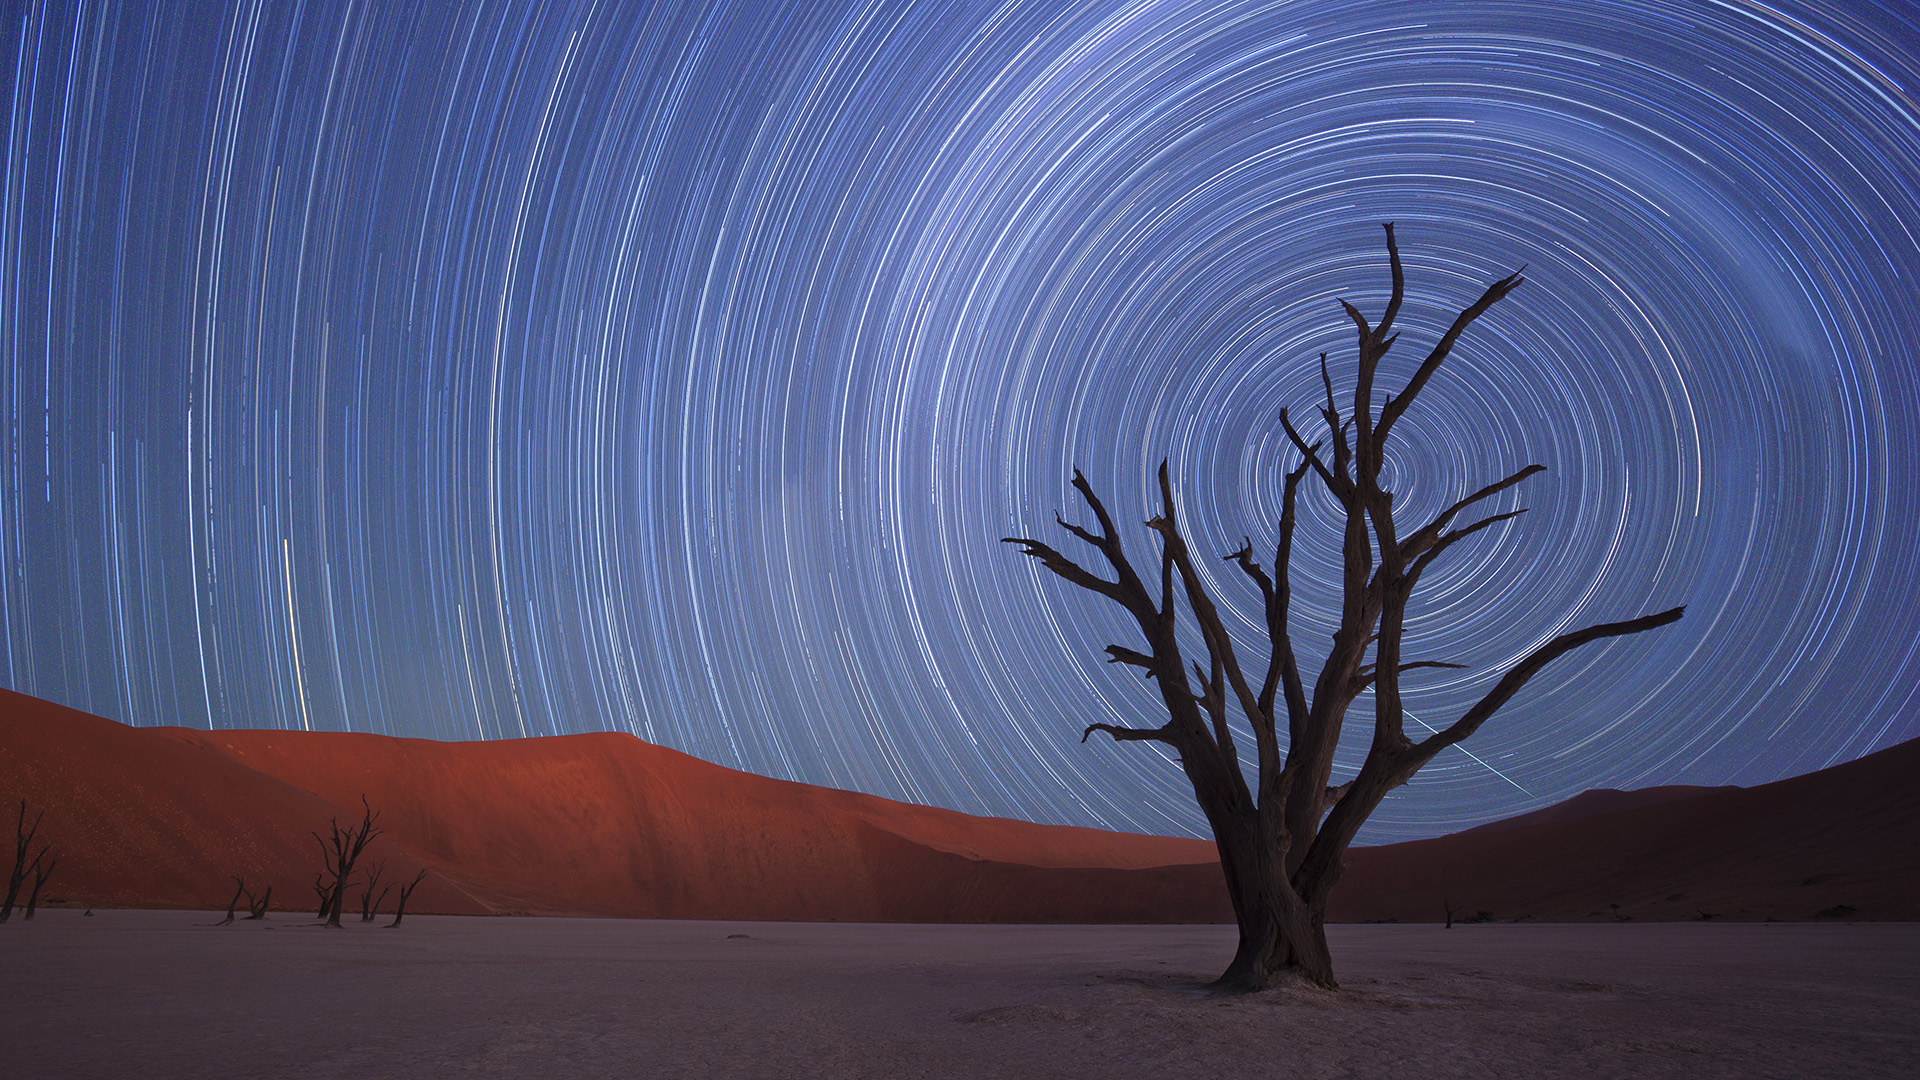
[[483, 370]]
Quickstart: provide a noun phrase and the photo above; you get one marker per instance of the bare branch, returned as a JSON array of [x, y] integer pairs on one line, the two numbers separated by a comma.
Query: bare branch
[[1129, 592], [1280, 611], [1397, 405], [1512, 681], [1311, 452], [1359, 322], [1430, 532], [1367, 673], [1438, 549], [1099, 510], [1119, 655], [1368, 670], [1127, 734], [1219, 644], [1244, 557], [1066, 568], [1096, 541], [1399, 284]]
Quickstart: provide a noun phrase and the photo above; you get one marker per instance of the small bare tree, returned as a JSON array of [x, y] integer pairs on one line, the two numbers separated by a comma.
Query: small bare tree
[[23, 842], [1283, 840], [368, 902], [256, 907], [233, 905], [40, 875], [341, 849], [400, 911]]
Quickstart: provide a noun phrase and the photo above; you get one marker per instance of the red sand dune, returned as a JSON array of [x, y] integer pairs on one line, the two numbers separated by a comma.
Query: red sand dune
[[606, 824], [600, 824]]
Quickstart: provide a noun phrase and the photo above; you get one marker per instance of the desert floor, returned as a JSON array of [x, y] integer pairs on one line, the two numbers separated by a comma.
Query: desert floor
[[168, 994]]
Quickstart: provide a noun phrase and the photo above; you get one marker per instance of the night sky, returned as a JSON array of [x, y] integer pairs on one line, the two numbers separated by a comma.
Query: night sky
[[485, 370]]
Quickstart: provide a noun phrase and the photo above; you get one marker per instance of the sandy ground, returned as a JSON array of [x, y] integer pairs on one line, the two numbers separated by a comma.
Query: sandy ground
[[167, 994]]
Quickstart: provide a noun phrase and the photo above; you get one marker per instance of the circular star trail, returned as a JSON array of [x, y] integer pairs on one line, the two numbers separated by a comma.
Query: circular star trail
[[499, 369]]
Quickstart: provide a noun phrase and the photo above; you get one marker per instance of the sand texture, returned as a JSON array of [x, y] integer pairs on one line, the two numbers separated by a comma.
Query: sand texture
[[163, 995]]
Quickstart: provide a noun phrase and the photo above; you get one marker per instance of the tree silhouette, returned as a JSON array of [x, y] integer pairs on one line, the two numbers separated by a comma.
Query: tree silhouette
[[233, 905], [406, 891], [369, 903], [41, 872], [1282, 841], [340, 849], [23, 841], [256, 906]]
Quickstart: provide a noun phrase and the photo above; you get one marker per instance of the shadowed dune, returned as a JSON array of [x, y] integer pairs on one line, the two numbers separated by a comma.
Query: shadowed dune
[[1843, 842], [1595, 802], [605, 824]]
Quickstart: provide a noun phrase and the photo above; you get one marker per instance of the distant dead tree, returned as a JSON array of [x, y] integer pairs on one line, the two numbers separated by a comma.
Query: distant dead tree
[[324, 890], [40, 875], [233, 905], [340, 849], [256, 908], [1282, 841], [23, 842], [400, 912], [368, 902]]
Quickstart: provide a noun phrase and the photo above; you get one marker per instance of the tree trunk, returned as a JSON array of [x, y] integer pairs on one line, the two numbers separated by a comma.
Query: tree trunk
[[1282, 939]]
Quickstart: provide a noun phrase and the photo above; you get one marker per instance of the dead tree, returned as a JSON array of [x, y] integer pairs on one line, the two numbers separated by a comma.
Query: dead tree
[[340, 850], [400, 912], [1283, 839], [256, 907], [233, 905], [324, 891], [40, 876], [368, 902], [23, 842]]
